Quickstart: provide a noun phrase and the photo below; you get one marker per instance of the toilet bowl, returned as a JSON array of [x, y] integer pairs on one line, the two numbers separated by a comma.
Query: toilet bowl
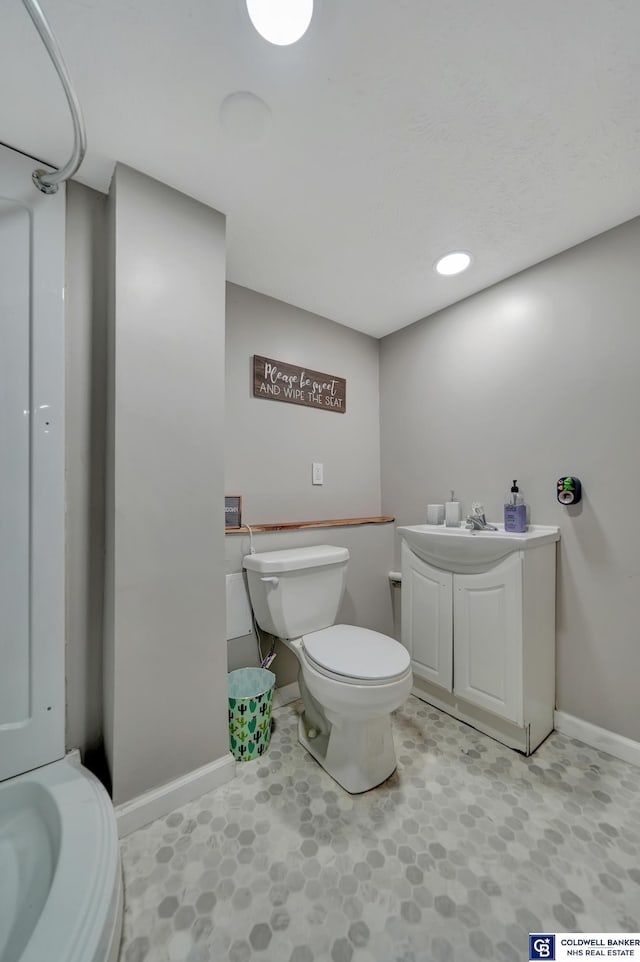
[[350, 678]]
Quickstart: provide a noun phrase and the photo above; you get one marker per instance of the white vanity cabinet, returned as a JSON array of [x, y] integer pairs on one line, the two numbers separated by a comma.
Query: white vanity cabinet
[[427, 619], [488, 650], [482, 636]]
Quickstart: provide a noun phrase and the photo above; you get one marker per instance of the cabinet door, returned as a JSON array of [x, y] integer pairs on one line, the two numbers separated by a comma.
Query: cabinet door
[[487, 619], [427, 618]]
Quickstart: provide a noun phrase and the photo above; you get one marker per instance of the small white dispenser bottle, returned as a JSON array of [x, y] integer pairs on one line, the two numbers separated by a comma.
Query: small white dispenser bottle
[[452, 512], [435, 514]]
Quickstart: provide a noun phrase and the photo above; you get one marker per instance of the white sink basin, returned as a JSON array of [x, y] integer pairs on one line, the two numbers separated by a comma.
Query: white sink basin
[[458, 549]]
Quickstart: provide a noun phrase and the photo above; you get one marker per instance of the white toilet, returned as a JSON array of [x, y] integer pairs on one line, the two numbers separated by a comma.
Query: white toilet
[[351, 679]]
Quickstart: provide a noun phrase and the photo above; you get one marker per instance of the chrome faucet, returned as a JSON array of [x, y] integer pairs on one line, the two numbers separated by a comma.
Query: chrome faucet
[[477, 521]]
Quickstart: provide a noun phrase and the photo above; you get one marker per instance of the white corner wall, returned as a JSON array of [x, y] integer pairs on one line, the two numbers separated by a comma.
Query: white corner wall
[[533, 379], [165, 649]]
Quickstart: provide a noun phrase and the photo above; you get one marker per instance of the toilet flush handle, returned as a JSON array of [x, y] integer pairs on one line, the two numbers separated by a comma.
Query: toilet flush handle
[[271, 580]]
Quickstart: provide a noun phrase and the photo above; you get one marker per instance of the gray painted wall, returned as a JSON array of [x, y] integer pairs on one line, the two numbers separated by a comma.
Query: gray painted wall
[[532, 379], [165, 665], [470, 397], [270, 446], [85, 334], [351, 455]]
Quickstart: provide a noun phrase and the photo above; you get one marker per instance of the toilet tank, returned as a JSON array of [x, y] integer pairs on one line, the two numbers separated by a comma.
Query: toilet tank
[[296, 590]]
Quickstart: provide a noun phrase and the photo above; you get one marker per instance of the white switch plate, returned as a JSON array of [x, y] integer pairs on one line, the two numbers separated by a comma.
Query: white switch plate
[[317, 472]]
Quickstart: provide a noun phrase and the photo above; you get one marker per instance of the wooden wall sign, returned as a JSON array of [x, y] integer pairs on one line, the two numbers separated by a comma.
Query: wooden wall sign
[[278, 381]]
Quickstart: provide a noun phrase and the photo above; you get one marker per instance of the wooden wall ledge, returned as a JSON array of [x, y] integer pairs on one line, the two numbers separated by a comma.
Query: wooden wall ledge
[[298, 525]]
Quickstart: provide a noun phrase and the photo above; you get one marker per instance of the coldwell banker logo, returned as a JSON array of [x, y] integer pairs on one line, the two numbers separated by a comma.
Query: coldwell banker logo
[[542, 947]]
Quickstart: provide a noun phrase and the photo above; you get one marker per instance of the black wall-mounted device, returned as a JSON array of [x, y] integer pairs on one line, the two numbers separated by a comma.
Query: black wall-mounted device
[[569, 490]]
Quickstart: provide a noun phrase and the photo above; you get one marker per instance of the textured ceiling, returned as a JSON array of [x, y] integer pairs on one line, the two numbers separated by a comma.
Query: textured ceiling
[[394, 131]]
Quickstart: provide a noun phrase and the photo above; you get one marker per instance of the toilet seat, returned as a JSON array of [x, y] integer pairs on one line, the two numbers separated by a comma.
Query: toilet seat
[[348, 653]]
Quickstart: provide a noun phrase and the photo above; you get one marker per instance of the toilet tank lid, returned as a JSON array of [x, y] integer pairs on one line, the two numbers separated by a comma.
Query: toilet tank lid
[[293, 559]]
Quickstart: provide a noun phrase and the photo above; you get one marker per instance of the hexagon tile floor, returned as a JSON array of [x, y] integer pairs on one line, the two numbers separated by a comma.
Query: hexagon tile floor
[[467, 848]]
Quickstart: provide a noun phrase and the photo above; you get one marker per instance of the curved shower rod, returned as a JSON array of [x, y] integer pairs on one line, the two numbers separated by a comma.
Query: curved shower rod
[[44, 180]]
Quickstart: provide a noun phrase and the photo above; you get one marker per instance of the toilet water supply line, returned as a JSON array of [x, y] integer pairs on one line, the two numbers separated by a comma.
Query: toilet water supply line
[[268, 658], [47, 181]]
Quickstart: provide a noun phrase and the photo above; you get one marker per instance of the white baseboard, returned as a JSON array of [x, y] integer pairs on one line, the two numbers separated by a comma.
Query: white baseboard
[[600, 738], [160, 801], [286, 694]]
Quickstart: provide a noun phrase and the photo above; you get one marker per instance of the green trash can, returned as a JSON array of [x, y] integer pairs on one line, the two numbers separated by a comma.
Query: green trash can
[[250, 699]]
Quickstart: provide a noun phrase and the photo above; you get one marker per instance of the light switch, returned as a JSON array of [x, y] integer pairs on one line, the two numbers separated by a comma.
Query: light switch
[[317, 472]]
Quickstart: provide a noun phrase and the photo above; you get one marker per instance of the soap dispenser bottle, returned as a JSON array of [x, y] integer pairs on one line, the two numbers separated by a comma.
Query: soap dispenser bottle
[[452, 513], [515, 512]]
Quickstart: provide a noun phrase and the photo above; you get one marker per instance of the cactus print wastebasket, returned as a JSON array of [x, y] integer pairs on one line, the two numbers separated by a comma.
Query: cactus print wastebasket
[[250, 698]]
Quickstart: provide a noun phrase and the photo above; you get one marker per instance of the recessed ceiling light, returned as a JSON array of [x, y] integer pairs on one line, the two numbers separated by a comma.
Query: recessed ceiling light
[[453, 263], [280, 21]]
